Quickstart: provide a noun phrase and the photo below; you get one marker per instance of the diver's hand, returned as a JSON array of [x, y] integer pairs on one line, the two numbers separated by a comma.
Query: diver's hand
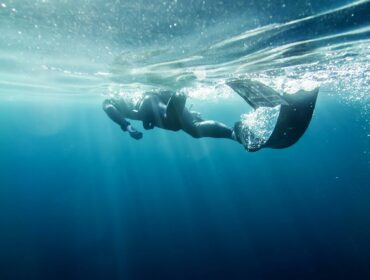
[[134, 133]]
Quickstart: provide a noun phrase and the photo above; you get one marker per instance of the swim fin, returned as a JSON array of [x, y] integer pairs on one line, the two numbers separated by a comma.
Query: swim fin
[[294, 116], [293, 119], [257, 94]]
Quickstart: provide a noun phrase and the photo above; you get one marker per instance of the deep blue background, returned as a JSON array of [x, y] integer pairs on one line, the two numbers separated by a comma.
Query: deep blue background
[[90, 203]]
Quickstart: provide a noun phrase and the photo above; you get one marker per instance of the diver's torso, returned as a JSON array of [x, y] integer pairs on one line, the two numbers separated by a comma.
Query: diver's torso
[[152, 109]]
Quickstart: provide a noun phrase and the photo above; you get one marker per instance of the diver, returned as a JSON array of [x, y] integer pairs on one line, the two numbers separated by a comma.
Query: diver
[[163, 109], [167, 110]]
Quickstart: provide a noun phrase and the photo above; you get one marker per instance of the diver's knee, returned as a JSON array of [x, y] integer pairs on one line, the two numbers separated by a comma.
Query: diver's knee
[[194, 133]]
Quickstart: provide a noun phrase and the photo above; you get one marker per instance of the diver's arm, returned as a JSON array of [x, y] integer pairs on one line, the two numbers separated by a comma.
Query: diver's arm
[[134, 133], [116, 116]]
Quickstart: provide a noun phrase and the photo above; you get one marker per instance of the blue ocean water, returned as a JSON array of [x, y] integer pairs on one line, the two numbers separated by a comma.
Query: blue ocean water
[[79, 199]]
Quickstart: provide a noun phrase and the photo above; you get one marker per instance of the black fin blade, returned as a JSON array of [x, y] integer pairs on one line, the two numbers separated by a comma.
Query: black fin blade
[[293, 120], [257, 94]]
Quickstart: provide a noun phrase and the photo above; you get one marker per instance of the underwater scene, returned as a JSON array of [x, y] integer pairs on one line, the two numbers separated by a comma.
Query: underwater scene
[[228, 177]]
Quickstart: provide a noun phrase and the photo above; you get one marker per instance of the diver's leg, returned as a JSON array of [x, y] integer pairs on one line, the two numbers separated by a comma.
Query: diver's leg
[[114, 114], [212, 129], [200, 128]]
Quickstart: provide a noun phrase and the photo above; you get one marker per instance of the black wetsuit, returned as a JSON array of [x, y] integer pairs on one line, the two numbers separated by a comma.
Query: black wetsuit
[[167, 110]]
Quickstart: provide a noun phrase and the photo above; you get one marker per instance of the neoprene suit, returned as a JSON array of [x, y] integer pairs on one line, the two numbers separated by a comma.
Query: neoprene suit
[[164, 110]]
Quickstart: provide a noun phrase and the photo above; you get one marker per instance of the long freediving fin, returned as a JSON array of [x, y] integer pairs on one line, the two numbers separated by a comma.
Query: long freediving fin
[[294, 116], [257, 94], [293, 119]]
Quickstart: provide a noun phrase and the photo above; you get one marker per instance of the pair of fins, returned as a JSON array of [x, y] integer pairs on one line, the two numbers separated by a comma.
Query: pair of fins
[[294, 117]]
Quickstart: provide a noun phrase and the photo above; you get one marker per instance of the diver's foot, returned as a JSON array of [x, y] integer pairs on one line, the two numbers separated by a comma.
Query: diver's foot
[[235, 135], [243, 135]]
